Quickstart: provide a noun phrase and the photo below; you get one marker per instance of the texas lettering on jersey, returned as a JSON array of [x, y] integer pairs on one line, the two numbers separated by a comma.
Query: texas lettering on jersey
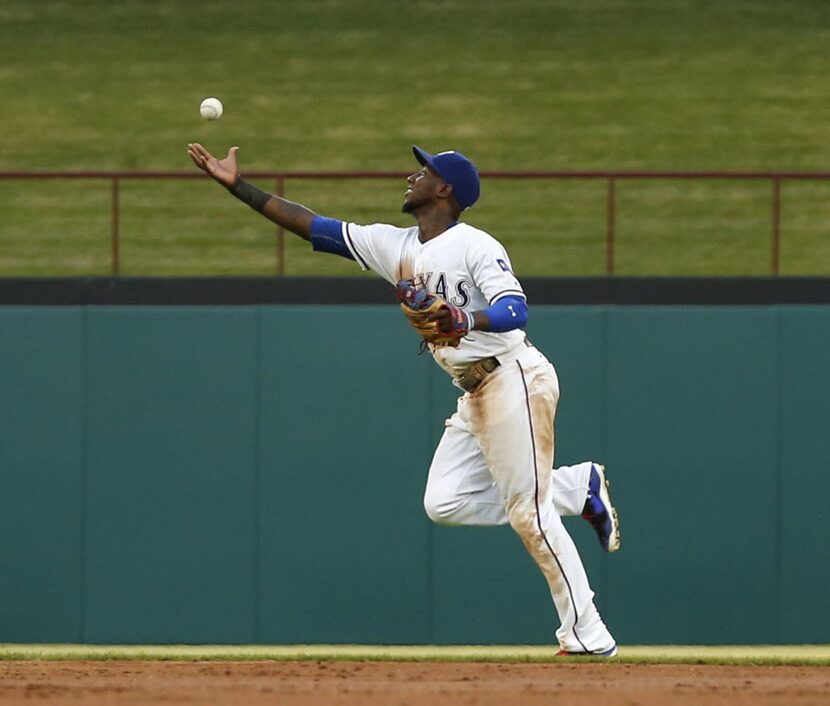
[[437, 283]]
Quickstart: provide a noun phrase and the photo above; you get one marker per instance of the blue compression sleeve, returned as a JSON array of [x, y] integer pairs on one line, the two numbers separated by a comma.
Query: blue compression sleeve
[[506, 314], [327, 236]]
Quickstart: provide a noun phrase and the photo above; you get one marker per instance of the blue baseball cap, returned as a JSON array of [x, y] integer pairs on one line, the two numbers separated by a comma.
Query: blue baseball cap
[[455, 169]]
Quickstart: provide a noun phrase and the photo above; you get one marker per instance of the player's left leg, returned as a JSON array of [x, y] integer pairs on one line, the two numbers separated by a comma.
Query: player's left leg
[[512, 414]]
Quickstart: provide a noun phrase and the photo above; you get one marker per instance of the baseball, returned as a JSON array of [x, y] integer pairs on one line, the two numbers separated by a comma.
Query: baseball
[[211, 108]]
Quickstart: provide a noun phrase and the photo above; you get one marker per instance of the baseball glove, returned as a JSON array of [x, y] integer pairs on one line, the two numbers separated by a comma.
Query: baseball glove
[[439, 323]]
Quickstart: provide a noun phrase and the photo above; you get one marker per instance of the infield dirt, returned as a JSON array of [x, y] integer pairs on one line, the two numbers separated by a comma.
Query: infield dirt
[[399, 684]]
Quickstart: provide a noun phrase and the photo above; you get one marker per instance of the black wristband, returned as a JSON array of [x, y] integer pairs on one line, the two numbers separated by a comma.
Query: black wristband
[[248, 193]]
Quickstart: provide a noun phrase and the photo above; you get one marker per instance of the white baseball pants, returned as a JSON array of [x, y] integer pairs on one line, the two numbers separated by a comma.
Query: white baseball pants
[[494, 465]]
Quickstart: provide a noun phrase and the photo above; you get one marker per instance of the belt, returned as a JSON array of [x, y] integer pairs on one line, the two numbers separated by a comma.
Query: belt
[[473, 376]]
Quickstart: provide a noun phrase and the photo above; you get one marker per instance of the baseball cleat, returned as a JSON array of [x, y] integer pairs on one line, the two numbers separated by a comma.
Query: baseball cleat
[[612, 652], [600, 512]]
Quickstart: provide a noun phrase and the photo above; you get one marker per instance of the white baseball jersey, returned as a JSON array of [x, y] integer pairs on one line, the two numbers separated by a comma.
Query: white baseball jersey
[[464, 266]]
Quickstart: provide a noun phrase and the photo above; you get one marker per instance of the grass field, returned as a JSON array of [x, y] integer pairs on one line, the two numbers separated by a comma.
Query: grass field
[[349, 85], [634, 654]]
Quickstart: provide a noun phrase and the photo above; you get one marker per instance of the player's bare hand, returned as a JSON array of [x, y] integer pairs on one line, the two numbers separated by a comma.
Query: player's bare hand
[[225, 171]]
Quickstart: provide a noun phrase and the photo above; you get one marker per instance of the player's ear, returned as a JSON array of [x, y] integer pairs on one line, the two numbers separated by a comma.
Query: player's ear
[[445, 190]]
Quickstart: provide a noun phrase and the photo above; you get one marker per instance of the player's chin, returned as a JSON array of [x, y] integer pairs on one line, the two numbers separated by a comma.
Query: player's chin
[[410, 206]]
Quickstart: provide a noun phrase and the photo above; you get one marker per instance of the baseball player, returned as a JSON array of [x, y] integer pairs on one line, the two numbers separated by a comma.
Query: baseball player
[[494, 463]]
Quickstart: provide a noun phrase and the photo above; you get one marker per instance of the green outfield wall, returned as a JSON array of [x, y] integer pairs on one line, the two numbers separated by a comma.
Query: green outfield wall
[[244, 474]]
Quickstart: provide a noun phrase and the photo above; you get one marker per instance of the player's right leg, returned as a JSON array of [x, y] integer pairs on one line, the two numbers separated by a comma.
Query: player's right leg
[[583, 490], [460, 489], [571, 488]]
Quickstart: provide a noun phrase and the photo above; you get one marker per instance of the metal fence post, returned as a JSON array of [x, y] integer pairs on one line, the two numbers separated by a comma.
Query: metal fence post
[[116, 222], [610, 217], [776, 226], [280, 191]]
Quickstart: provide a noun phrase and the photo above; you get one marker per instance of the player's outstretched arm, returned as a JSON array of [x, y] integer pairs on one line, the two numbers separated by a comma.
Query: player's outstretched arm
[[291, 216]]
